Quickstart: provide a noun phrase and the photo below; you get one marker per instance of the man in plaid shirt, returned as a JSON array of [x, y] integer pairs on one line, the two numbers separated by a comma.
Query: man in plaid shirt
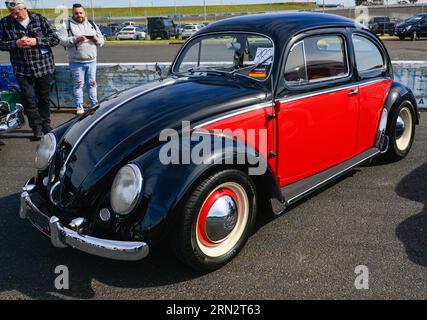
[[28, 37]]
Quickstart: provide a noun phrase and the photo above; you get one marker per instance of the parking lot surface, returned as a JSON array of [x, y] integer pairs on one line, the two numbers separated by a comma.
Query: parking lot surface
[[375, 216]]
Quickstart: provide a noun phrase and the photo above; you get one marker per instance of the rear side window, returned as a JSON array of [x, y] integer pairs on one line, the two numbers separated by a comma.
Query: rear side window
[[315, 59], [368, 55]]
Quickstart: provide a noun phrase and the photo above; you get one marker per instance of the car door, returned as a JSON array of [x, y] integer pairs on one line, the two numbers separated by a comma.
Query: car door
[[370, 61], [317, 115]]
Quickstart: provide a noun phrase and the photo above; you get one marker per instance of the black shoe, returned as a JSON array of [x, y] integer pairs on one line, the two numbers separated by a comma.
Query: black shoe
[[46, 128], [37, 133]]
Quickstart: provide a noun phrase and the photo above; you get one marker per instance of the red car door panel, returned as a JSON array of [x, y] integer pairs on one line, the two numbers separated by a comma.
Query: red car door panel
[[316, 133], [371, 99]]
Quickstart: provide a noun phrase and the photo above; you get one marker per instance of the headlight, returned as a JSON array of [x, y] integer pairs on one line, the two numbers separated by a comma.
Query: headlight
[[45, 151], [126, 189], [408, 28]]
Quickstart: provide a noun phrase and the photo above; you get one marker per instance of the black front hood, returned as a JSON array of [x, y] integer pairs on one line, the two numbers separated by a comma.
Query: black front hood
[[125, 125]]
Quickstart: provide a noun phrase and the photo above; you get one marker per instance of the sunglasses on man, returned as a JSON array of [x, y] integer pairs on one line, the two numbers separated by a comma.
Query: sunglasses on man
[[11, 5]]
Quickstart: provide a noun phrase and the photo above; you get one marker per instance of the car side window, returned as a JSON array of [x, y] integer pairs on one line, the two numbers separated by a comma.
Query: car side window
[[315, 59], [368, 55]]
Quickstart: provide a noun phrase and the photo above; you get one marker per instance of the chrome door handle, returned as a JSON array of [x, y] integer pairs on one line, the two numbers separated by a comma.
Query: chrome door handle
[[354, 92]]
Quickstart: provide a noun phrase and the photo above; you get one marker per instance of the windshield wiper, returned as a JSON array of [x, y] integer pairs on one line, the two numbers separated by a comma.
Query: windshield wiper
[[208, 69]]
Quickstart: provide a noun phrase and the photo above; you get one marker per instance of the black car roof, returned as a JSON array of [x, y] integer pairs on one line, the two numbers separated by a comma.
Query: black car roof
[[279, 25]]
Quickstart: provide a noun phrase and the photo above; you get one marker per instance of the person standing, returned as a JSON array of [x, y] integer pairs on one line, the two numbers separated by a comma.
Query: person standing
[[28, 37], [81, 37]]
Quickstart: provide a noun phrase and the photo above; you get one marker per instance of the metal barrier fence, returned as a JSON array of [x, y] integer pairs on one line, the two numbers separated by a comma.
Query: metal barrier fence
[[113, 78]]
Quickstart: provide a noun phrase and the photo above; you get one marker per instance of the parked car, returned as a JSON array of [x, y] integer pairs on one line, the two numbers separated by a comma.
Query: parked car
[[129, 24], [413, 28], [162, 27], [257, 109], [381, 25], [131, 33], [108, 32], [189, 30], [402, 2], [116, 27]]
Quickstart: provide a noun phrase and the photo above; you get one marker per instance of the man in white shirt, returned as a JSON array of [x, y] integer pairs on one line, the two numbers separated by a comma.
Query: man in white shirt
[[81, 38]]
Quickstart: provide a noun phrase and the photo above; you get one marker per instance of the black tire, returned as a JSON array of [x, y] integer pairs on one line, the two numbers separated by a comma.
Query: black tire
[[167, 36], [401, 38], [399, 146], [186, 239]]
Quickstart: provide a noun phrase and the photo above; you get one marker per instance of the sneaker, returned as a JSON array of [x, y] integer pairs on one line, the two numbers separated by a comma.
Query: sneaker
[[46, 128], [80, 110], [37, 133]]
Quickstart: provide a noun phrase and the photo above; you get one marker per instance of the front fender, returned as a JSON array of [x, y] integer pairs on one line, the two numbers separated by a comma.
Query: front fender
[[167, 186]]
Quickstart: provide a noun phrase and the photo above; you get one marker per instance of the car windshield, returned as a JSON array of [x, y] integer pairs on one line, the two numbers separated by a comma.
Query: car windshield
[[414, 19], [228, 53]]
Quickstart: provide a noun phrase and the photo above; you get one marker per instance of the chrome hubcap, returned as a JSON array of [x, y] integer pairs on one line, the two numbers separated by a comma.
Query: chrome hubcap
[[400, 127], [221, 219]]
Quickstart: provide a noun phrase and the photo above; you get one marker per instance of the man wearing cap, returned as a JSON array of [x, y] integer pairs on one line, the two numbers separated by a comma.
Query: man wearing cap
[[81, 38], [28, 37]]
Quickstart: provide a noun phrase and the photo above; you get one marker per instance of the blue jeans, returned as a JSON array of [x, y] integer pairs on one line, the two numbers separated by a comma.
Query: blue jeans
[[84, 73]]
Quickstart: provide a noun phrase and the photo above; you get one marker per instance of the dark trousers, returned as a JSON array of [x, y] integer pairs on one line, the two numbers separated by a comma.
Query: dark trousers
[[35, 99]]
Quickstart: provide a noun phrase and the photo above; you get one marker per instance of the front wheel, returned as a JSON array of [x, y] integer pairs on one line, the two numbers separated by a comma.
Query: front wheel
[[216, 221], [401, 131], [401, 38]]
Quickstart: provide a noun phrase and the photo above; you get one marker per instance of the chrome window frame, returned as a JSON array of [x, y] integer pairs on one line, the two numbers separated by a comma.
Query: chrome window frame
[[309, 82], [383, 67]]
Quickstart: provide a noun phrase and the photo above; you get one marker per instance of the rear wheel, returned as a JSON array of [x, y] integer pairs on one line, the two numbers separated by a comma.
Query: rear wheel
[[216, 221], [401, 38], [401, 131]]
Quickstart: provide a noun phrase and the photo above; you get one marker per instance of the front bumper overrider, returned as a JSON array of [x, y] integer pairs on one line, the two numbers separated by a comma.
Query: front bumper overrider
[[62, 237]]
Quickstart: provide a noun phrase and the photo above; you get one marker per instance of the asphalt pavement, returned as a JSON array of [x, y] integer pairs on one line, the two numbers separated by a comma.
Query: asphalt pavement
[[375, 217]]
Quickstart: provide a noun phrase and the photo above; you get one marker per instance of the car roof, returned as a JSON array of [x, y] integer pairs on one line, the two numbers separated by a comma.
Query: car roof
[[279, 25]]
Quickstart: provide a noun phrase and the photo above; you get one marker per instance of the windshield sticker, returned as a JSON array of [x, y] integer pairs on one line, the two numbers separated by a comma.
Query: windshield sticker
[[262, 54]]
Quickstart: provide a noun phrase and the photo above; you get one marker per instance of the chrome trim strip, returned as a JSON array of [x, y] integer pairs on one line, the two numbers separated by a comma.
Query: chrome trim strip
[[165, 84], [244, 110], [325, 91], [330, 178]]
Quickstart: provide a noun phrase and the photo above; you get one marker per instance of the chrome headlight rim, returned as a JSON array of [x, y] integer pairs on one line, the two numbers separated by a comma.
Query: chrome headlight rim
[[51, 153], [138, 188]]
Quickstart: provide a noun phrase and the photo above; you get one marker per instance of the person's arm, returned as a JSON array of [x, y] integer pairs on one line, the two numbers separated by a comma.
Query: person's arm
[[64, 39], [49, 38], [99, 37], [6, 45]]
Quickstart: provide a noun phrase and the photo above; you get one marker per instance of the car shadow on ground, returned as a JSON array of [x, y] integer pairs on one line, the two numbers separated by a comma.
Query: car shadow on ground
[[28, 262], [413, 231]]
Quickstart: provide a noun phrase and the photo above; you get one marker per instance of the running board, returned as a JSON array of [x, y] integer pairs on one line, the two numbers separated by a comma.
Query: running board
[[299, 189]]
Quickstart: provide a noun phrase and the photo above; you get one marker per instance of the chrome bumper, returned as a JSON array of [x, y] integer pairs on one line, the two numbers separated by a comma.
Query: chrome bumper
[[14, 120], [62, 237]]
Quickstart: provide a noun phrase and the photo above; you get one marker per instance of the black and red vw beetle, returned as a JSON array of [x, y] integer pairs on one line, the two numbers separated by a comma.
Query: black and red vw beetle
[[259, 108]]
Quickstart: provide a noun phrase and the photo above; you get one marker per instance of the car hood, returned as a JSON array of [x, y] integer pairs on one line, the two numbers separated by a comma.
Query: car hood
[[128, 123]]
